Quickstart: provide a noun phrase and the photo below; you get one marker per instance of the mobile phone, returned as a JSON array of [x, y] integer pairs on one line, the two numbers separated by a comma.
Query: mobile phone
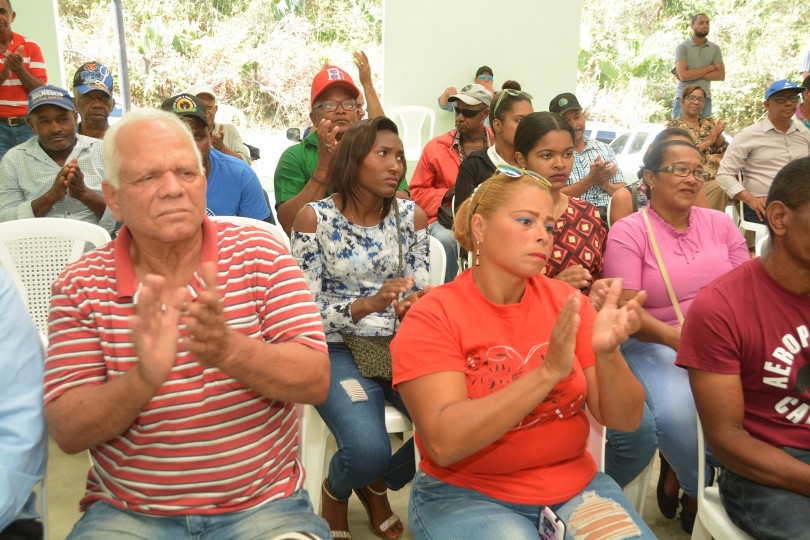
[[551, 527]]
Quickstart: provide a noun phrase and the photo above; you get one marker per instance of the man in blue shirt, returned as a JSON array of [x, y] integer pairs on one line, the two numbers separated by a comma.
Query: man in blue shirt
[[23, 437], [233, 187]]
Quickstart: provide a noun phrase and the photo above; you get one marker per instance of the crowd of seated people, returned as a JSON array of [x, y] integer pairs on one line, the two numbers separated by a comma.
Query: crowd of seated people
[[566, 314]]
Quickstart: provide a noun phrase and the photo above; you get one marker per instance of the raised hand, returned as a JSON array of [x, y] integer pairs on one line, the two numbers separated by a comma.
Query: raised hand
[[76, 187], [363, 67], [210, 340], [614, 324], [155, 330], [563, 341], [327, 142], [598, 292], [217, 139]]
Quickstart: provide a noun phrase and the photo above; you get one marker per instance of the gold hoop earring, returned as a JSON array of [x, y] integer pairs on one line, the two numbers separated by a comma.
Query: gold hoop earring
[[478, 253]]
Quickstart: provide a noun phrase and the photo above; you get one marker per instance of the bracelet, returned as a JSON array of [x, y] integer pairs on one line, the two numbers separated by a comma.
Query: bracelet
[[321, 182]]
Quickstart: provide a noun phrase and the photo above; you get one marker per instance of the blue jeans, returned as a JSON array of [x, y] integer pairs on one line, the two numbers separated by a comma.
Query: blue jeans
[[678, 111], [763, 511], [441, 510], [103, 521], [450, 245], [354, 411], [11, 136], [669, 397], [627, 454]]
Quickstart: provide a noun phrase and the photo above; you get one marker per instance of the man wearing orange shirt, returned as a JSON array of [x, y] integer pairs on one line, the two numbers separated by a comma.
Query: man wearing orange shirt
[[22, 69]]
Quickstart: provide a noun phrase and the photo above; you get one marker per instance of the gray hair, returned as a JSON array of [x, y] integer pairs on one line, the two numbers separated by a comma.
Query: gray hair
[[112, 165]]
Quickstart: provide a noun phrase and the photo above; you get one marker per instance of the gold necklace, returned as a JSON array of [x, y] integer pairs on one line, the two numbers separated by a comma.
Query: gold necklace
[[353, 220]]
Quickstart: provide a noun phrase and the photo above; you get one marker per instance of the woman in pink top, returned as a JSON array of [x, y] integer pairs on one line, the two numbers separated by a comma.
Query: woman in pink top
[[697, 245]]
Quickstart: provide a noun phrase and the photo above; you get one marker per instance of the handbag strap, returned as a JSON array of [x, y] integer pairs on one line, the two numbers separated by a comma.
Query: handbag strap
[[661, 267], [401, 261]]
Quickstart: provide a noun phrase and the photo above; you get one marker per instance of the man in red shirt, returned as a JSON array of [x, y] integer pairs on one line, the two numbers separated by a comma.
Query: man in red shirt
[[22, 69], [748, 356]]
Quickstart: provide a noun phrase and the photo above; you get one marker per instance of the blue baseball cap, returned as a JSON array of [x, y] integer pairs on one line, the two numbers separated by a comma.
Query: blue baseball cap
[[93, 76], [783, 84], [49, 95]]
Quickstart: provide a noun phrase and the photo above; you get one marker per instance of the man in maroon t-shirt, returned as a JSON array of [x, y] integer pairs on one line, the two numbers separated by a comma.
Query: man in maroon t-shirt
[[747, 346]]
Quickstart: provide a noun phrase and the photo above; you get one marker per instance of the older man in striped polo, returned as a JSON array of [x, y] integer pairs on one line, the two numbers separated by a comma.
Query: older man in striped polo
[[176, 355]]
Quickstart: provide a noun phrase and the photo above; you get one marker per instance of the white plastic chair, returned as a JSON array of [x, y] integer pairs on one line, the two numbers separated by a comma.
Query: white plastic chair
[[759, 229], [35, 250], [412, 121], [318, 446], [438, 262], [228, 114], [275, 230], [712, 520], [763, 245]]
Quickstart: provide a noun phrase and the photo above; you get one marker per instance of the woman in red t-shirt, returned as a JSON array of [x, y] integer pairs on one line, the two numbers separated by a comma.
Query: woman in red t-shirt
[[496, 387]]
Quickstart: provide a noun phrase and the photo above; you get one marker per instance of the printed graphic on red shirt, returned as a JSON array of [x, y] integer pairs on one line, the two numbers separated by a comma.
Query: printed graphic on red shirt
[[496, 367], [788, 368]]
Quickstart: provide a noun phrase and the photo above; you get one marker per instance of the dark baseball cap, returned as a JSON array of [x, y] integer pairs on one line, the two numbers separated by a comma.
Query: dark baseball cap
[[93, 76], [563, 103], [186, 106]]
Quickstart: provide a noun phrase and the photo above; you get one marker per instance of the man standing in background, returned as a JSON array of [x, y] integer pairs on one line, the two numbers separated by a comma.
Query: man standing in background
[[22, 68], [93, 98], [698, 61]]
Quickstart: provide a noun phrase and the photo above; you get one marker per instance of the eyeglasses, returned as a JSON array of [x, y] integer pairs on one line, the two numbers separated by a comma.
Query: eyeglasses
[[781, 100], [696, 99], [483, 77], [469, 113], [683, 170], [329, 106], [509, 92]]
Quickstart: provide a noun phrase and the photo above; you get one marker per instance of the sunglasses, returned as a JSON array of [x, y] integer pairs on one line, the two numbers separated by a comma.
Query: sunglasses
[[469, 113], [511, 172], [509, 92], [483, 77]]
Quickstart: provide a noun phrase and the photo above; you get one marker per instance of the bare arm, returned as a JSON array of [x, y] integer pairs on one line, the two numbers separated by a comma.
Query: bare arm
[[719, 73], [686, 74], [615, 397], [736, 449], [15, 62], [373, 105]]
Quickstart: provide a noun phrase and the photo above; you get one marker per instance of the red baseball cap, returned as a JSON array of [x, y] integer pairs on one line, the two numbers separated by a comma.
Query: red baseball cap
[[329, 77]]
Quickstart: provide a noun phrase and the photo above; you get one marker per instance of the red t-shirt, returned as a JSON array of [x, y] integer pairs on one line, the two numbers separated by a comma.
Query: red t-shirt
[[543, 459], [746, 323]]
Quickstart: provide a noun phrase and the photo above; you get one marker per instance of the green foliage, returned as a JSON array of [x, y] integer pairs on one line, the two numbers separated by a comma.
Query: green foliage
[[258, 55], [628, 50]]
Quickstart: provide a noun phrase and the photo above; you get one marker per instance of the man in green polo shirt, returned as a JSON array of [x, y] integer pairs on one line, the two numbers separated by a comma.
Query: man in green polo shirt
[[302, 172]]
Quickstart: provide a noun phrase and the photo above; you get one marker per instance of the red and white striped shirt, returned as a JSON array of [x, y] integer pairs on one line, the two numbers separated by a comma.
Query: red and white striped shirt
[[13, 95], [205, 443]]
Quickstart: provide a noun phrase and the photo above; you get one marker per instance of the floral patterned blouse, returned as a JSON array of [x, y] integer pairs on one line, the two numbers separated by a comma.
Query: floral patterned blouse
[[700, 134], [343, 261]]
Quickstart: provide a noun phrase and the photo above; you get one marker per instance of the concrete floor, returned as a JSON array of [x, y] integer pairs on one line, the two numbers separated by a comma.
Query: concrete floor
[[66, 482]]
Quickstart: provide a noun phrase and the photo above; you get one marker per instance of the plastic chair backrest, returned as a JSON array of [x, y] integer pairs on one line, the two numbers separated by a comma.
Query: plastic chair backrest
[[411, 119], [275, 230], [228, 114], [712, 520], [35, 250], [596, 442], [438, 261], [763, 245]]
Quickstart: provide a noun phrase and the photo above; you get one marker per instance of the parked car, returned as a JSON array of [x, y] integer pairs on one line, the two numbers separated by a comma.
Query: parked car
[[630, 149], [603, 132]]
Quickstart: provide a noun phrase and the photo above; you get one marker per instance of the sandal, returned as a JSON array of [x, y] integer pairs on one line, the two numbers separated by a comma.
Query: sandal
[[383, 528], [326, 495]]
